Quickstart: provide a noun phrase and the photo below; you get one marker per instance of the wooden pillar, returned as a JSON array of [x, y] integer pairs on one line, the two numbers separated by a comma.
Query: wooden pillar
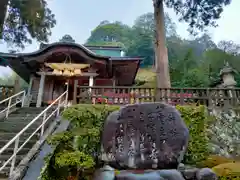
[[40, 90], [114, 82], [75, 92], [66, 100], [30, 85], [17, 84], [91, 80], [50, 92]]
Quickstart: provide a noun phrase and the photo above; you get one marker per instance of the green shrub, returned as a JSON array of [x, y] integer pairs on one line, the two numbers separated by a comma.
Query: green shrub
[[77, 149], [80, 145], [196, 119]]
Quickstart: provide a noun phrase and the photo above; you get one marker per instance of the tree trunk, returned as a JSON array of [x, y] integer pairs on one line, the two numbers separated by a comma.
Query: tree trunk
[[161, 54], [3, 10]]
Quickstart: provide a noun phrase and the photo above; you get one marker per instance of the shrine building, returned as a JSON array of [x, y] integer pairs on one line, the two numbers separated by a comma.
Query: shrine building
[[57, 66]]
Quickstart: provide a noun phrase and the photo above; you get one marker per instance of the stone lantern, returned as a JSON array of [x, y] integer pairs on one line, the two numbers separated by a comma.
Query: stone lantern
[[227, 75]]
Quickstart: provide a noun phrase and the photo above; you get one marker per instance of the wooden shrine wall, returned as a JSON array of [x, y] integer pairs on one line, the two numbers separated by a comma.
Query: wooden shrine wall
[[52, 89]]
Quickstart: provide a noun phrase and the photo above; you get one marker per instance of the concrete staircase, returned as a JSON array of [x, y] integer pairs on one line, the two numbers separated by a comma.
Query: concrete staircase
[[9, 127]]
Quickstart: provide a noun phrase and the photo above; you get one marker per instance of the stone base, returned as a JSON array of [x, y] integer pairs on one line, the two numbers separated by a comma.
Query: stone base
[[108, 173]]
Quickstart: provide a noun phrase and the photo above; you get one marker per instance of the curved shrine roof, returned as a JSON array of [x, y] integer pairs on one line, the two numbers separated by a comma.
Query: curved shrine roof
[[22, 63]]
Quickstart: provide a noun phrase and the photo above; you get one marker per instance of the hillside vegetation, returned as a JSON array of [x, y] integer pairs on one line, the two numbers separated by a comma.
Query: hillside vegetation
[[146, 77], [192, 63]]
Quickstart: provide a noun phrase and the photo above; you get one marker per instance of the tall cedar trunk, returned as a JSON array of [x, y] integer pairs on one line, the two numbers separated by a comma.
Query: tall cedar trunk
[[3, 9], [161, 55]]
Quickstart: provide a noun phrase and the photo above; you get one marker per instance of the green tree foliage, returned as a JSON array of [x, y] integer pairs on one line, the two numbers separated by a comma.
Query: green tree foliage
[[142, 45], [25, 20], [107, 33], [144, 37], [192, 63], [198, 14], [137, 40], [146, 23]]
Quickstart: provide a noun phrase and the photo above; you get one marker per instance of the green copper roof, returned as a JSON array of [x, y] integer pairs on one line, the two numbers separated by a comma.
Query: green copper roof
[[111, 51], [107, 52]]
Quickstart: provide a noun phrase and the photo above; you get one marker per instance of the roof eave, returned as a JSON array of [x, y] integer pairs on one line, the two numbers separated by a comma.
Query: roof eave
[[8, 55], [40, 51], [126, 58]]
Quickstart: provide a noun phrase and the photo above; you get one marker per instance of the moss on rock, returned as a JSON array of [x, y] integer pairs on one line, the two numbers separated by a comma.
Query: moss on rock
[[214, 160], [228, 171]]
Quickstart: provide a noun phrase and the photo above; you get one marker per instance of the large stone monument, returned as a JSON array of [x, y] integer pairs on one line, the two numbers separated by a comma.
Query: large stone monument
[[146, 142]]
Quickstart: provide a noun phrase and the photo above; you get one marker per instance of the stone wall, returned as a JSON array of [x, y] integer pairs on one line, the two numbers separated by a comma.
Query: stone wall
[[224, 134]]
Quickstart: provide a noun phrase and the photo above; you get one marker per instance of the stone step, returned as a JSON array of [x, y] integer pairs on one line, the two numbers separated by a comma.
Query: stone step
[[10, 126], [31, 108], [20, 117], [2, 108], [24, 113], [23, 151], [9, 135], [6, 157], [17, 123], [28, 111], [18, 126], [24, 119], [5, 173], [30, 143]]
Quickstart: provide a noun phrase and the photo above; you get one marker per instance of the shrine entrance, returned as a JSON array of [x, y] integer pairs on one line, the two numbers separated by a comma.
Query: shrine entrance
[[50, 68]]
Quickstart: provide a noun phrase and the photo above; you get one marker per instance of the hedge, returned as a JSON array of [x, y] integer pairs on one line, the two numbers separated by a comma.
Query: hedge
[[196, 120], [77, 150]]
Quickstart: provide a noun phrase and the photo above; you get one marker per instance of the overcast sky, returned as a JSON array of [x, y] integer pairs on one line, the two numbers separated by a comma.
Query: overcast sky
[[79, 17]]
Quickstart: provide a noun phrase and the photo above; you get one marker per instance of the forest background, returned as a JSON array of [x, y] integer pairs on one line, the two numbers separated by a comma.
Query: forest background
[[192, 63]]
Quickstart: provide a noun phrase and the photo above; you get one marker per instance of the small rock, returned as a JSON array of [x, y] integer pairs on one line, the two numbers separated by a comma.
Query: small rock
[[190, 173], [170, 175], [181, 167], [206, 174]]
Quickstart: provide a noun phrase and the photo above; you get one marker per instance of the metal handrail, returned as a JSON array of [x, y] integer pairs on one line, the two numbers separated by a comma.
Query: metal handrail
[[21, 94], [16, 139]]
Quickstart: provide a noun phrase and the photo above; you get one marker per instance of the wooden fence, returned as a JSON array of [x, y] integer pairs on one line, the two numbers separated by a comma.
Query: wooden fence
[[224, 97]]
